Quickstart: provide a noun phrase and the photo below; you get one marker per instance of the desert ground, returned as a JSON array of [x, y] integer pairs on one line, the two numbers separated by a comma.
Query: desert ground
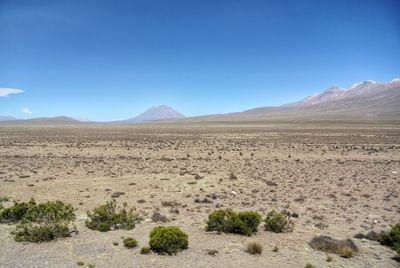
[[341, 179]]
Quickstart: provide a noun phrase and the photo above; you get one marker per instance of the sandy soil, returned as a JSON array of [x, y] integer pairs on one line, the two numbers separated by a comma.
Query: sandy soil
[[340, 180]]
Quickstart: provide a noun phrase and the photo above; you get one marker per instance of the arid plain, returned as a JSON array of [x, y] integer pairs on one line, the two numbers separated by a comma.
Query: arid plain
[[340, 179]]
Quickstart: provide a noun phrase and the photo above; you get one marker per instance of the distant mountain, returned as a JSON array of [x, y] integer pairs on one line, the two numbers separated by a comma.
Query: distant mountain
[[7, 118], [156, 113], [57, 120], [330, 94], [367, 100], [358, 90]]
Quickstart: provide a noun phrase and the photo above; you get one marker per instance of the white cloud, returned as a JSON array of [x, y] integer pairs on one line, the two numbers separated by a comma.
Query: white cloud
[[26, 111], [4, 92]]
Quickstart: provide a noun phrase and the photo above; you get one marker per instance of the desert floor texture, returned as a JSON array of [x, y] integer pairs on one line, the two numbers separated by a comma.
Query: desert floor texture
[[340, 179]]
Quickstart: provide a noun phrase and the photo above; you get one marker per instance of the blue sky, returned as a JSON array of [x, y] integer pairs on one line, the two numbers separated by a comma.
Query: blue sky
[[108, 60]]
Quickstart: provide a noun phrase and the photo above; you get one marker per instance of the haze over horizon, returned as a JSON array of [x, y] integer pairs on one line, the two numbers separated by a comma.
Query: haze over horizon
[[103, 61]]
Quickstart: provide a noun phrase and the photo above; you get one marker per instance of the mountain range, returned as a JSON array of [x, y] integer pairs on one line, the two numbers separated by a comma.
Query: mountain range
[[363, 100]]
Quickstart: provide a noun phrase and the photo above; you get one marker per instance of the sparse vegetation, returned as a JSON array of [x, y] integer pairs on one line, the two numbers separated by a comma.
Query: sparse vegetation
[[228, 221], [391, 238], [278, 222], [168, 240], [130, 242], [39, 222], [16, 212], [254, 248], [309, 265], [109, 217], [275, 249], [329, 258], [346, 252], [145, 250], [45, 222]]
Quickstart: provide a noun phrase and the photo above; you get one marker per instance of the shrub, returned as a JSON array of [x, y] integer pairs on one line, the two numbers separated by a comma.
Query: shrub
[[169, 240], [391, 238], [107, 217], [145, 250], [15, 212], [251, 218], [278, 222], [329, 258], [254, 248], [45, 222], [309, 265], [228, 221], [130, 242]]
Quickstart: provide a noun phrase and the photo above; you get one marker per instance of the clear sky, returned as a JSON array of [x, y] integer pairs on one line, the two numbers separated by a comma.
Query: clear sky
[[107, 60]]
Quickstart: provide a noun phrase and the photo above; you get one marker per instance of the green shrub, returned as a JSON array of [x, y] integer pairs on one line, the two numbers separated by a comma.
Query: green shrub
[[145, 250], [16, 211], [278, 222], [254, 248], [228, 221], [130, 242], [391, 238], [168, 240], [221, 221], [251, 218], [107, 217], [45, 222]]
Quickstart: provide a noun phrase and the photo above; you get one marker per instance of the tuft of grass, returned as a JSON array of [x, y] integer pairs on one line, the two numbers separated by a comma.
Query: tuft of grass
[[80, 263], [278, 222], [145, 250], [346, 252], [130, 242], [254, 248], [275, 249], [115, 243], [309, 265], [109, 217], [329, 258]]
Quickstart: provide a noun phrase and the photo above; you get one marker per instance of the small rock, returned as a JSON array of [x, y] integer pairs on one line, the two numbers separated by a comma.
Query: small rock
[[159, 217], [212, 252], [117, 194]]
